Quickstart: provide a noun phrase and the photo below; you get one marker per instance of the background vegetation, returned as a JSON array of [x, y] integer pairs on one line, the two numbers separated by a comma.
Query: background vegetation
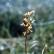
[[11, 13]]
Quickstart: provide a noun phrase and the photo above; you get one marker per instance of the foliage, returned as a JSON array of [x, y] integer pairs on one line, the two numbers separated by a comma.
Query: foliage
[[43, 28]]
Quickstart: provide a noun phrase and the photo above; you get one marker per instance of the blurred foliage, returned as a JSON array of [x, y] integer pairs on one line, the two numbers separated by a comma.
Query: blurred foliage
[[43, 29]]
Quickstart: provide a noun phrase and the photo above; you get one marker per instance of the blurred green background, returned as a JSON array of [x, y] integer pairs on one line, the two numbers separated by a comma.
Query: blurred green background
[[11, 13]]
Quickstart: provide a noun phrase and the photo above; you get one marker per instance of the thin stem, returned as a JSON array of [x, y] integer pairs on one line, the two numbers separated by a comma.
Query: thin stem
[[25, 44], [45, 48]]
